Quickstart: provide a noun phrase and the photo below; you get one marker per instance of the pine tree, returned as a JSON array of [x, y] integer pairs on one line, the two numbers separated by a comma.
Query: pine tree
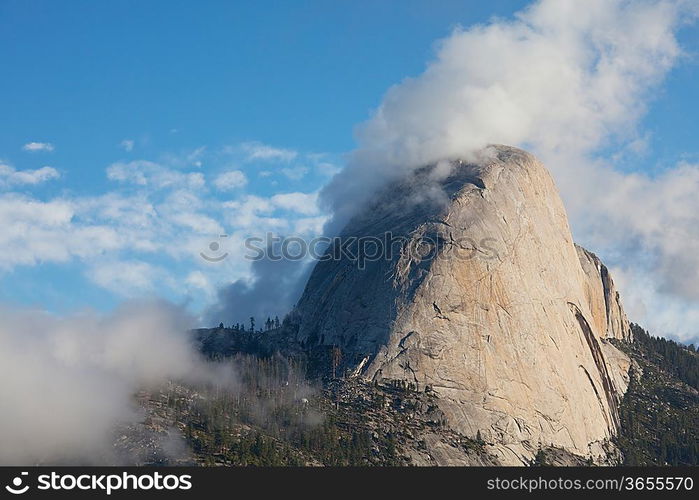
[[540, 458], [336, 359]]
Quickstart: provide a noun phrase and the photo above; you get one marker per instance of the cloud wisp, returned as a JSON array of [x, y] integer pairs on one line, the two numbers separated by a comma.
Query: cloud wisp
[[34, 147], [148, 173], [257, 151], [127, 145]]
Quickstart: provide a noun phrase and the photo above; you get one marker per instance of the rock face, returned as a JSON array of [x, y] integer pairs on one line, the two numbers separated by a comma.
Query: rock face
[[484, 299], [601, 293]]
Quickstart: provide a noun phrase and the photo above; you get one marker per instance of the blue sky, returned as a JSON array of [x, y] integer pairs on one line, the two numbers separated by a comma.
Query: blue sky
[[218, 72], [174, 77], [142, 107]]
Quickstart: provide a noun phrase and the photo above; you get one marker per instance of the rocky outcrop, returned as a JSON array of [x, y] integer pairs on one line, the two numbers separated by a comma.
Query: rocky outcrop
[[603, 298], [481, 295]]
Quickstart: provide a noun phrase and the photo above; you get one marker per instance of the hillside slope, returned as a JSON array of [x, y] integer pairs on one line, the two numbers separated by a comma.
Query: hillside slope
[[280, 417], [660, 411]]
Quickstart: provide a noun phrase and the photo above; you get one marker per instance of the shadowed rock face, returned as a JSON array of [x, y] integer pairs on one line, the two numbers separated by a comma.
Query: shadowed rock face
[[487, 300]]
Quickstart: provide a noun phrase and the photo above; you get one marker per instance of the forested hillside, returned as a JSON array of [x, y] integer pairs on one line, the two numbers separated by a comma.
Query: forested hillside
[[660, 412], [281, 411]]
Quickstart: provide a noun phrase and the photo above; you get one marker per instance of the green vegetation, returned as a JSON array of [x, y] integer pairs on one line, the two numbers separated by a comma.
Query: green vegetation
[[675, 359], [660, 412], [273, 416]]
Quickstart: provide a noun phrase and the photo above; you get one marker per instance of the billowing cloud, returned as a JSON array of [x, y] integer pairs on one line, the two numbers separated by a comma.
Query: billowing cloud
[[558, 79], [569, 82], [68, 382]]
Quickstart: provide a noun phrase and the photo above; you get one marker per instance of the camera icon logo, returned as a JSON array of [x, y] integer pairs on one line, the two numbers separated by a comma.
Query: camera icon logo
[[16, 487], [215, 248]]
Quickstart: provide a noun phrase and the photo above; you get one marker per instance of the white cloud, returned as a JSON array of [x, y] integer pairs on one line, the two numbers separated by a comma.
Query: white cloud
[[18, 208], [67, 383], [232, 179], [195, 156], [115, 208], [84, 229], [328, 169], [197, 223], [185, 210], [252, 211], [259, 151], [129, 279], [559, 79], [263, 214], [12, 177], [659, 312], [125, 240], [35, 231], [312, 226], [38, 146], [295, 173], [302, 203], [147, 173], [184, 159], [655, 218], [278, 212], [127, 145], [200, 282]]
